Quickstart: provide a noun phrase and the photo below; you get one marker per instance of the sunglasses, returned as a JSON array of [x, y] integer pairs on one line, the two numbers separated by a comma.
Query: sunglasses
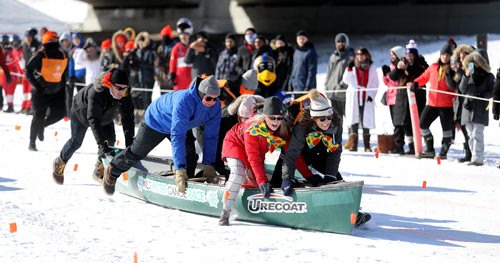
[[121, 88], [211, 98], [324, 118], [275, 118]]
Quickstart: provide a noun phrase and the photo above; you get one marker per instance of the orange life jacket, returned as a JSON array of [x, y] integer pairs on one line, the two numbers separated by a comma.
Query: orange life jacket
[[53, 68]]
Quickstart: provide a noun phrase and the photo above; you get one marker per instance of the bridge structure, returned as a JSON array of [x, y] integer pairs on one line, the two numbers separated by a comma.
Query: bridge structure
[[445, 17]]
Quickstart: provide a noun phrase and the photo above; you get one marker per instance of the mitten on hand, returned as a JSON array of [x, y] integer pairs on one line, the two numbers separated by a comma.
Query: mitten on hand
[[266, 189], [171, 79], [287, 186], [209, 173], [104, 150], [369, 99], [385, 70], [351, 64], [414, 87]]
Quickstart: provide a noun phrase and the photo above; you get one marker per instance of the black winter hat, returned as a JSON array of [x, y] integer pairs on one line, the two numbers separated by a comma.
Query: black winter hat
[[119, 77], [446, 49], [202, 34], [281, 37], [302, 33], [273, 106]]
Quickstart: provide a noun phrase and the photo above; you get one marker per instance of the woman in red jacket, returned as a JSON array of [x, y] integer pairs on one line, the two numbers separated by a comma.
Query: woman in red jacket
[[245, 147], [438, 104]]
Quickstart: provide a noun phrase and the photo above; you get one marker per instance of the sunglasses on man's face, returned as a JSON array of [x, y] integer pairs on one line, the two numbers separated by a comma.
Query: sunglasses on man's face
[[121, 88], [273, 118], [324, 118], [211, 98]]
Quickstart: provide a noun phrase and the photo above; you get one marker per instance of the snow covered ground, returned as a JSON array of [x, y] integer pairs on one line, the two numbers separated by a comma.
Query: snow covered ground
[[453, 219]]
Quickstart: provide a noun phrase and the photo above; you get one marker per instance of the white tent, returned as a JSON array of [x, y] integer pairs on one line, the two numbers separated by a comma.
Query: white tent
[[16, 17]]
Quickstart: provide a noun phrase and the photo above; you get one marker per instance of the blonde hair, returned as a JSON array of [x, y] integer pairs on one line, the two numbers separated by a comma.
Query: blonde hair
[[283, 131]]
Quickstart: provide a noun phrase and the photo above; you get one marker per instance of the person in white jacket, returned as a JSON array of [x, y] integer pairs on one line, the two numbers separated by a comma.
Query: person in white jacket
[[90, 59], [362, 80]]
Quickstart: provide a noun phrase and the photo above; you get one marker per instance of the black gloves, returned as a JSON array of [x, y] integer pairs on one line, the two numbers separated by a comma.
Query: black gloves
[[266, 189], [385, 70], [287, 186], [315, 180], [369, 99], [351, 64], [171, 79], [414, 87], [105, 150]]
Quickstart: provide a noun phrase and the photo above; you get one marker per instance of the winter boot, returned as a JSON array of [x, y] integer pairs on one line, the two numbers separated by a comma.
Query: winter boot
[[9, 109], [362, 218], [445, 146], [411, 149], [468, 154], [348, 143], [109, 181], [398, 149], [224, 218], [429, 148], [98, 174], [366, 142], [353, 138], [32, 147], [40, 135], [58, 173]]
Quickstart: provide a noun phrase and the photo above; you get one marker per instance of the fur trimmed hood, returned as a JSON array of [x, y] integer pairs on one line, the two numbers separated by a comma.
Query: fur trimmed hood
[[478, 60], [146, 37], [116, 51], [463, 48]]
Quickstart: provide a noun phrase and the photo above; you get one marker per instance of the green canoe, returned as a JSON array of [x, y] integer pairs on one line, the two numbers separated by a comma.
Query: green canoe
[[329, 208]]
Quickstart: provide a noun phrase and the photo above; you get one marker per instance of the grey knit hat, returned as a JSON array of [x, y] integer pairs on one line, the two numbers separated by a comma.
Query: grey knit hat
[[249, 79], [209, 86]]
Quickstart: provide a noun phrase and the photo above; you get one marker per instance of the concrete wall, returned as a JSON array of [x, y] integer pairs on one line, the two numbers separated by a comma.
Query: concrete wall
[[221, 16]]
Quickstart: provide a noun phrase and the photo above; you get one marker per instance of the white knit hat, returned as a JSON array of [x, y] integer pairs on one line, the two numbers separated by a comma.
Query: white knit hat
[[320, 106]]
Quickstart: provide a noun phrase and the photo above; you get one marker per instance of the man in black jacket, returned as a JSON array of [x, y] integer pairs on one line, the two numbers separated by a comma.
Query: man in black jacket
[[96, 106], [47, 71]]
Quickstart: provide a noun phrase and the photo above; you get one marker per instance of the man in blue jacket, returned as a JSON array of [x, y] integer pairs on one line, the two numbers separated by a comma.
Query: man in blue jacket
[[173, 116]]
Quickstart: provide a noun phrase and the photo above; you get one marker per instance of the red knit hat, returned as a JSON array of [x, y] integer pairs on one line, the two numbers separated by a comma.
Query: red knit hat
[[129, 46], [106, 43], [166, 31]]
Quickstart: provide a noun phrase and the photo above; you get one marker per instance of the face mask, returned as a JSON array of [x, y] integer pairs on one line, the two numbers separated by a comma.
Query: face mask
[[250, 38]]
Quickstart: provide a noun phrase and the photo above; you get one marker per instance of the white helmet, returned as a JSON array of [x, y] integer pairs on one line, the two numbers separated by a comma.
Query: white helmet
[[184, 25]]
